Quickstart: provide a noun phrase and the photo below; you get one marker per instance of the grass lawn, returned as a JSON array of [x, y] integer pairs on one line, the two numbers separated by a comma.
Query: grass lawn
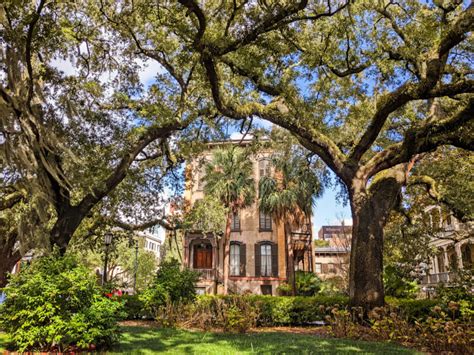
[[145, 340]]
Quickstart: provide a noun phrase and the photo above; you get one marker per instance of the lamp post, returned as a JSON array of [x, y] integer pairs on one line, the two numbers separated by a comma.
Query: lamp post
[[135, 271], [107, 241]]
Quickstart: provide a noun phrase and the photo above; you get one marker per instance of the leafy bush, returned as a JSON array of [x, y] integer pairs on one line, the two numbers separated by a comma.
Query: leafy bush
[[171, 285], [397, 285], [135, 308], [411, 309], [270, 310], [307, 284], [55, 304], [437, 333]]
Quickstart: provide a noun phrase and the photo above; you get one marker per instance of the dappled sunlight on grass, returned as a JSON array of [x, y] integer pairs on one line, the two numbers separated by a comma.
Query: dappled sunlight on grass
[[140, 340]]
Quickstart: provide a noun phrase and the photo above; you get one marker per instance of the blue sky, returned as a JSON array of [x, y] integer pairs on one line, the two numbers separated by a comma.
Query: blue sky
[[329, 212]]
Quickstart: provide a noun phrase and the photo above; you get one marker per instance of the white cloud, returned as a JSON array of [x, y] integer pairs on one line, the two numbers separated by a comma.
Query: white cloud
[[149, 70], [64, 66]]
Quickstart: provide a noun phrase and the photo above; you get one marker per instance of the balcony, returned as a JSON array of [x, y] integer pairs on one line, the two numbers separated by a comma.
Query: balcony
[[433, 279]]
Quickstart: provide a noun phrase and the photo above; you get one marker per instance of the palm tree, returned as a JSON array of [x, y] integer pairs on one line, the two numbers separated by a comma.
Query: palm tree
[[229, 177], [289, 196]]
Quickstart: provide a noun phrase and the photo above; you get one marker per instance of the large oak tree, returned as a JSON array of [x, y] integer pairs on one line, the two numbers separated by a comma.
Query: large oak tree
[[366, 85], [76, 122]]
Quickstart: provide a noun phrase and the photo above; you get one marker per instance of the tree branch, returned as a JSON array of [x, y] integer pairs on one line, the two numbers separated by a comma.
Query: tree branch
[[411, 91], [455, 130]]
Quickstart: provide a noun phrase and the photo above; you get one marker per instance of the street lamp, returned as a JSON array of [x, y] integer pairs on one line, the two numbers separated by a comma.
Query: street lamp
[[135, 268], [107, 241]]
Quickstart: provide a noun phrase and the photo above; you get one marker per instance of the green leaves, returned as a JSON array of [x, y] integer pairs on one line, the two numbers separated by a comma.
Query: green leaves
[[229, 177], [55, 304]]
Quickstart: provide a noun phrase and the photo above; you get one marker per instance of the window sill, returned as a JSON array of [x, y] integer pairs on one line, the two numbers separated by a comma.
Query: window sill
[[265, 230]]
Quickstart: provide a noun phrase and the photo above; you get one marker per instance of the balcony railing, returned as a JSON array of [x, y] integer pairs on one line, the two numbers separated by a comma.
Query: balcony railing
[[444, 277], [206, 274]]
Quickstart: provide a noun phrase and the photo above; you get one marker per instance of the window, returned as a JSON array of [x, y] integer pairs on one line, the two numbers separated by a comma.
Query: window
[[264, 168], [266, 289], [331, 268], [235, 224], [200, 290], [265, 222], [235, 259], [266, 260], [318, 268]]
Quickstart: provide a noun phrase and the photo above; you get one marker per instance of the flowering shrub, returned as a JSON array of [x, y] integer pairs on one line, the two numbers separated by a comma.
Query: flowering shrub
[[55, 305]]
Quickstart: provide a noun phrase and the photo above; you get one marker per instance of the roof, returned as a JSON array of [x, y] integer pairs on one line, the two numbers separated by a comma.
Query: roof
[[335, 250]]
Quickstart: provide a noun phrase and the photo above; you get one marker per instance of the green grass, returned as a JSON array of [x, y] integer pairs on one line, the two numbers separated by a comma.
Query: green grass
[[140, 340]]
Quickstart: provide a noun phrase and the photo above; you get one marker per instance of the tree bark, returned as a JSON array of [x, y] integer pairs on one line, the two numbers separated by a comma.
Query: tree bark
[[370, 210], [290, 259], [69, 219], [8, 258], [226, 265]]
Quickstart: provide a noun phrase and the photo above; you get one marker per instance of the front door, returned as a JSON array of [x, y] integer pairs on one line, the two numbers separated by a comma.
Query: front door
[[202, 256]]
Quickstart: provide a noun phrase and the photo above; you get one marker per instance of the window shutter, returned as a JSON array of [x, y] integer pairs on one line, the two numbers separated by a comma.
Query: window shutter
[[243, 259], [275, 260], [258, 260]]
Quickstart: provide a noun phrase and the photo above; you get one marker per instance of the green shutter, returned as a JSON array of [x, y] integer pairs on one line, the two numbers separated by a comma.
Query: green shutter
[[275, 260], [243, 259], [258, 260]]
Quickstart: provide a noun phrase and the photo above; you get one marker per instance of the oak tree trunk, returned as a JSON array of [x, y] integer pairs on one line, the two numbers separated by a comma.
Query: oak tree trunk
[[69, 219], [370, 210], [8, 258], [226, 265]]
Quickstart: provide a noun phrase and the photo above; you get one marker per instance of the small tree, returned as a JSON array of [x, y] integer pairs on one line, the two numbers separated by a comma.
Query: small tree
[[229, 178], [289, 196]]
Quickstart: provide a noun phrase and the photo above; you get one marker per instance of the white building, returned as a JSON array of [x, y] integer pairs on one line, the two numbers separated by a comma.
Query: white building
[[455, 245]]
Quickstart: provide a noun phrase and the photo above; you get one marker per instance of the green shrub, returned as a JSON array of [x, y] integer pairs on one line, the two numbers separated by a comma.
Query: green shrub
[[135, 308], [171, 285], [271, 310], [307, 284], [396, 285], [411, 309], [55, 304]]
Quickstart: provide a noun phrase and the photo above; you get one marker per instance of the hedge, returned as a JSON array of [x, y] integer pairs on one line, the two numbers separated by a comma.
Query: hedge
[[301, 310], [279, 311]]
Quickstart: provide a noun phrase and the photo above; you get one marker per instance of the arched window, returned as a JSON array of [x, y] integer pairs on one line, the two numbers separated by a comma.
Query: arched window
[[235, 223], [237, 259], [266, 259], [265, 221]]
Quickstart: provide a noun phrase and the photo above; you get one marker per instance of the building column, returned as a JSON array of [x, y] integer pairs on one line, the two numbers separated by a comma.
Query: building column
[[434, 262], [457, 248], [445, 257]]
